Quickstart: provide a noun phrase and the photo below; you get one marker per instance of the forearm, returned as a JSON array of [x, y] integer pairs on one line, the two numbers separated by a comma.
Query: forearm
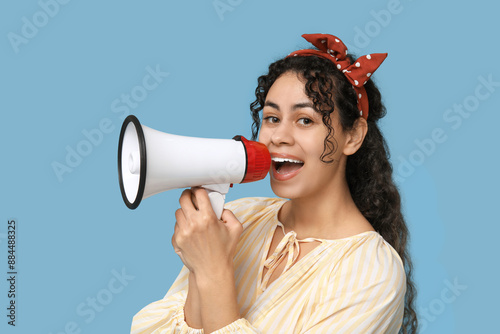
[[218, 302], [192, 312]]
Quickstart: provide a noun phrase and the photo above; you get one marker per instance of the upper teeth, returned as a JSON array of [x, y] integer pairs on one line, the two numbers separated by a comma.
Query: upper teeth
[[287, 160]]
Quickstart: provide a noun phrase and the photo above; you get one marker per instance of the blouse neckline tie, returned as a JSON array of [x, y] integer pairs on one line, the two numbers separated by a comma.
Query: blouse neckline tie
[[288, 245]]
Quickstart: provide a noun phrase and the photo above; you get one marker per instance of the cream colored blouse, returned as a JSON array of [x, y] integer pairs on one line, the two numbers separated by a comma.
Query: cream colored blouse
[[350, 285]]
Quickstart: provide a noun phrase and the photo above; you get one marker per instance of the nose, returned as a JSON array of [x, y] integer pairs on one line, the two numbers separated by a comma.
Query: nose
[[282, 135]]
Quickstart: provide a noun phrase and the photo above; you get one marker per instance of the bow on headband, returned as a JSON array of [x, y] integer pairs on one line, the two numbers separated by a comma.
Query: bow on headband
[[358, 73]]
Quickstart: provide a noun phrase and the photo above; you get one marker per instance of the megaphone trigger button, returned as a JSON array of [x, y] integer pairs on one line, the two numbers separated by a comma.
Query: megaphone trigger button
[[231, 185]]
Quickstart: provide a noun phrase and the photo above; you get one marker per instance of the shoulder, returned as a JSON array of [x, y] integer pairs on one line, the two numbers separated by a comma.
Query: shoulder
[[364, 287], [370, 261]]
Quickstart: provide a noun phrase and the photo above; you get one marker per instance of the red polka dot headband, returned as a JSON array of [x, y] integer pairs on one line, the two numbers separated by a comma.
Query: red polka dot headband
[[358, 73]]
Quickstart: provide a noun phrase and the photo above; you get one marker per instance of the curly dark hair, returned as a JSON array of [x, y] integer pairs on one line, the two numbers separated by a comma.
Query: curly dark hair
[[368, 171]]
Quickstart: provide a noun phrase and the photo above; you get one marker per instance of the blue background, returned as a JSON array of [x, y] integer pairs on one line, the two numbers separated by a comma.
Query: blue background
[[74, 232]]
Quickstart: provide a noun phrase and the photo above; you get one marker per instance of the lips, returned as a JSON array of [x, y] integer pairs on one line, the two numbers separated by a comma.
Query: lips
[[285, 167]]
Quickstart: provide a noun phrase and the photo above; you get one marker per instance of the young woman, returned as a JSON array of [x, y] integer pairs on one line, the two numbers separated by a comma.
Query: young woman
[[333, 257]]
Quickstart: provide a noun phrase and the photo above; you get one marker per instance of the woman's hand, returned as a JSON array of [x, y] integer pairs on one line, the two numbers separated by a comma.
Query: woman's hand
[[205, 244]]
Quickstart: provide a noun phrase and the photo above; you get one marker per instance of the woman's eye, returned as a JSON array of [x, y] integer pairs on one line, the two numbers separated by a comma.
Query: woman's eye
[[271, 119], [305, 121]]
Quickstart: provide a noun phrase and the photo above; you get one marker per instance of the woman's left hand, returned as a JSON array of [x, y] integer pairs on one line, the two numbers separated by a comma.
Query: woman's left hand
[[205, 244]]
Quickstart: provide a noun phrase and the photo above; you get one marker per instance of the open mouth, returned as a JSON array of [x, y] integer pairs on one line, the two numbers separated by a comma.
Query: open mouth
[[286, 166]]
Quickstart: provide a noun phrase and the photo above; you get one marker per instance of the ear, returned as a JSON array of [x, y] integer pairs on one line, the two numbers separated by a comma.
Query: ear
[[355, 137]]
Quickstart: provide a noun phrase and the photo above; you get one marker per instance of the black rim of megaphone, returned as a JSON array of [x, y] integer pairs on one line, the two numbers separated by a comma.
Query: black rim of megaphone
[[142, 149]]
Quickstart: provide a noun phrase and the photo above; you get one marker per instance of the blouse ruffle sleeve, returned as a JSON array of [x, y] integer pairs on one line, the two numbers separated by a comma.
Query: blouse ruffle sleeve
[[167, 314], [239, 326]]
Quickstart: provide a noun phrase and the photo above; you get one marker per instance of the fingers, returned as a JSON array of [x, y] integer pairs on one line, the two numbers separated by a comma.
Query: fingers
[[201, 239], [196, 205], [202, 199], [195, 199], [174, 244], [229, 217], [232, 223], [195, 202], [176, 247], [180, 228], [180, 218], [186, 201]]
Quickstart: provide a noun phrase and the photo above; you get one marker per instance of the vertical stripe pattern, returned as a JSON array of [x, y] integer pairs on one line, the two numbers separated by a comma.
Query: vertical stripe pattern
[[350, 285]]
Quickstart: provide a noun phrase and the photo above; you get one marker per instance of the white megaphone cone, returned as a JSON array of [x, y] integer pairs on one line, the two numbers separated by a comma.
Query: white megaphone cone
[[150, 162]]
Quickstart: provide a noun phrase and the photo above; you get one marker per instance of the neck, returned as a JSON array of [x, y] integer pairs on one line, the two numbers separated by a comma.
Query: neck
[[329, 214]]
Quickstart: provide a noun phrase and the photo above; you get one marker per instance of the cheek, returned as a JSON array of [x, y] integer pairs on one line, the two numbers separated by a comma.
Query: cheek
[[314, 145], [264, 136]]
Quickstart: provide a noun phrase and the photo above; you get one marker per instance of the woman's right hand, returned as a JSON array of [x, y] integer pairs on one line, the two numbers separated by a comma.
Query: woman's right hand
[[205, 244]]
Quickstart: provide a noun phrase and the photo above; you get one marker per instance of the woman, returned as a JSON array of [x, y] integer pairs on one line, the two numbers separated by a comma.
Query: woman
[[331, 259]]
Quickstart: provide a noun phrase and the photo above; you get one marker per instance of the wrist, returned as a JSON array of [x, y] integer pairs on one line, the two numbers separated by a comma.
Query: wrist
[[218, 299], [221, 276], [192, 312]]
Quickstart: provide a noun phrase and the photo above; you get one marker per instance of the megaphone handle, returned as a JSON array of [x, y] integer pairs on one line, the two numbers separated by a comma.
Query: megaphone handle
[[217, 200]]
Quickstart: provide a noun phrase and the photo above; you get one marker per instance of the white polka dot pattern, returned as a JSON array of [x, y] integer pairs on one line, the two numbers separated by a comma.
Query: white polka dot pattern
[[332, 48]]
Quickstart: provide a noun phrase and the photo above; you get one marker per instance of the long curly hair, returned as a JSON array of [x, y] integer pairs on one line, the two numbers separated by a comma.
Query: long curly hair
[[368, 171]]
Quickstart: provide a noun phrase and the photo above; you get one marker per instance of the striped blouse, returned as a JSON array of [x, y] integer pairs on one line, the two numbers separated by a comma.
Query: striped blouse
[[351, 285]]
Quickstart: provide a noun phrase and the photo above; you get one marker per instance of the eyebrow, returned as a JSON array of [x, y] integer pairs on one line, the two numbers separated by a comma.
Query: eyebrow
[[296, 106]]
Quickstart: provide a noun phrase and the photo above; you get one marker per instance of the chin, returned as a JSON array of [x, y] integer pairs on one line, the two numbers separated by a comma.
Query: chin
[[290, 191]]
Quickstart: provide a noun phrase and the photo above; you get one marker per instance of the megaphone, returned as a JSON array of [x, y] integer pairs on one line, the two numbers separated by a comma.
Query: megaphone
[[151, 161]]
